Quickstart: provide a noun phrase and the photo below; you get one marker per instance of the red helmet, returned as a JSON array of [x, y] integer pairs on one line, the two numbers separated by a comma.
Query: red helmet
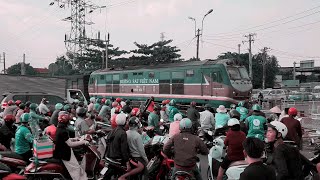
[[9, 118], [118, 100], [115, 104], [11, 102], [117, 109], [293, 111], [135, 112], [193, 103], [167, 101], [64, 118], [18, 102], [103, 100], [164, 102]]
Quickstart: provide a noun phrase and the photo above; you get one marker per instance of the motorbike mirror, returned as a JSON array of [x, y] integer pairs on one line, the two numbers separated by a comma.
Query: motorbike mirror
[[72, 122], [210, 133]]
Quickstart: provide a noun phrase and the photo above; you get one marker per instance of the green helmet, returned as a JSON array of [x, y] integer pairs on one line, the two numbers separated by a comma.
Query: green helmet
[[172, 102], [256, 107], [92, 99], [33, 106], [241, 104], [58, 106], [108, 102], [66, 107], [185, 124], [99, 100], [25, 117], [96, 106]]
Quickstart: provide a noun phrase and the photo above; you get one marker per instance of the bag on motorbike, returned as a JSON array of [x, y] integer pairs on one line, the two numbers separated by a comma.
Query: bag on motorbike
[[153, 166], [43, 147]]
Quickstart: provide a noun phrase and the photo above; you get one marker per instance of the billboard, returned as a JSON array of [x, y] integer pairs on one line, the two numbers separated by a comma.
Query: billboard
[[308, 64]]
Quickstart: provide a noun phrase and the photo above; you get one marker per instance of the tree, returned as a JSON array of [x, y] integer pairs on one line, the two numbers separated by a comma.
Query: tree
[[192, 59], [62, 67], [16, 69]]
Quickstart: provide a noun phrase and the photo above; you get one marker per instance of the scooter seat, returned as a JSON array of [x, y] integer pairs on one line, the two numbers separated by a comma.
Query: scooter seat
[[238, 163], [11, 154]]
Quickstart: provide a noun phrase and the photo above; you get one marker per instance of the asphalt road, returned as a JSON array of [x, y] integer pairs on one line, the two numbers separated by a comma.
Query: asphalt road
[[204, 166]]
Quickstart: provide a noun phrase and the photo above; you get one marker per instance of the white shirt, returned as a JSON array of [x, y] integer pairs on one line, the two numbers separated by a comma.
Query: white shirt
[[206, 119], [43, 109]]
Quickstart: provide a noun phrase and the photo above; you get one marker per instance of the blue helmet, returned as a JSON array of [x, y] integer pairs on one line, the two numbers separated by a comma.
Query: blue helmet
[[185, 124]]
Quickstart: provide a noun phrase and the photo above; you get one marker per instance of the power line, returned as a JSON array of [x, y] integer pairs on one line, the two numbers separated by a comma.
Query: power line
[[220, 45]]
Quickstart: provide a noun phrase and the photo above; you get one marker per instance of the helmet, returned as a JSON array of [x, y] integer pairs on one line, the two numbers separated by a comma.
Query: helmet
[[167, 101], [241, 104], [128, 101], [279, 127], [9, 118], [118, 100], [10, 102], [177, 117], [28, 103], [63, 118], [185, 124], [256, 107], [207, 106], [172, 102], [121, 119], [25, 117], [164, 102], [123, 103], [66, 107], [44, 100], [233, 121], [193, 104], [18, 102], [22, 106], [115, 104], [117, 109], [134, 121], [103, 100], [58, 106], [33, 106], [135, 112], [234, 114], [292, 111], [156, 107], [108, 102], [92, 99], [81, 111], [233, 106]]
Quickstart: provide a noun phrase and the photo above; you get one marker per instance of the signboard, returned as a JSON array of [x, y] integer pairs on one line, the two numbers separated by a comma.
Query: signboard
[[308, 64]]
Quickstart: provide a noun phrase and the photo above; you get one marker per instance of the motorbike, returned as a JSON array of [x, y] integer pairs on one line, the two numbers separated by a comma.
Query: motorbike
[[206, 135], [13, 160], [6, 173]]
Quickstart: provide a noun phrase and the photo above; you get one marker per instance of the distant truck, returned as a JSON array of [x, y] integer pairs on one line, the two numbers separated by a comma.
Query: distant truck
[[68, 88]]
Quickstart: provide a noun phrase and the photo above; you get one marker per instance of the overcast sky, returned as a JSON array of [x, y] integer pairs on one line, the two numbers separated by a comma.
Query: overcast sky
[[291, 28]]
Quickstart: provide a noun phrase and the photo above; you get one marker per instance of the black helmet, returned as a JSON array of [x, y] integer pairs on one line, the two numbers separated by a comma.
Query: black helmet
[[127, 102], [234, 114], [28, 103], [81, 111], [156, 107], [134, 122], [207, 106], [22, 106]]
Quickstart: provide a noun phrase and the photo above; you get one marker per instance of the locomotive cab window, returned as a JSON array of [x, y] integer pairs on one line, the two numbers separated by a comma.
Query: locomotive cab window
[[216, 77], [190, 73], [102, 77], [151, 75], [125, 76]]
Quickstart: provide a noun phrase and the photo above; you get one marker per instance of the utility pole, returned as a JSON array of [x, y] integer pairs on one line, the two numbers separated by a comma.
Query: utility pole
[[198, 37], [107, 44], [162, 36], [264, 62], [23, 72], [239, 45], [250, 40], [4, 63], [294, 70]]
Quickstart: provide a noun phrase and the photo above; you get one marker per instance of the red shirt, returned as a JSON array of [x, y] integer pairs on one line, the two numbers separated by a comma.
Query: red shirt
[[294, 129], [151, 106], [113, 121], [234, 142]]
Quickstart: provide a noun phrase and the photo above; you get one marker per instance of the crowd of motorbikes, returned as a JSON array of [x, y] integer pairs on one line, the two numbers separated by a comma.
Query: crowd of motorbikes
[[92, 157]]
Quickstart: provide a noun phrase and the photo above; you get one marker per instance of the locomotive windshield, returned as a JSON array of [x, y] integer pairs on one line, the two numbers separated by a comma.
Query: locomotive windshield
[[238, 73]]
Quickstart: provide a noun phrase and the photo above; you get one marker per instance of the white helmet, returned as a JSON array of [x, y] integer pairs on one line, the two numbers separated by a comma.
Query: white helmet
[[92, 99], [121, 119], [233, 121], [177, 117], [280, 127]]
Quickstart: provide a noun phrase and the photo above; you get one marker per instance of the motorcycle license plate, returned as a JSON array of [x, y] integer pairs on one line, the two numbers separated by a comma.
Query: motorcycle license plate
[[104, 170]]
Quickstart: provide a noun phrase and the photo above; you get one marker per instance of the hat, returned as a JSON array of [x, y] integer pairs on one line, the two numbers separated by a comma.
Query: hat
[[222, 109], [276, 110]]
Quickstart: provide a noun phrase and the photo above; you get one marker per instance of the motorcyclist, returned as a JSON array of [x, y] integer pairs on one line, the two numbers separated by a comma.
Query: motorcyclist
[[117, 144], [256, 124], [20, 112], [43, 109], [194, 116], [105, 111], [174, 126], [137, 152], [242, 110], [221, 119], [186, 146], [54, 117], [150, 104], [126, 108], [97, 106], [9, 109], [17, 103], [163, 112], [23, 138], [90, 106], [235, 114], [294, 127], [113, 121], [285, 158], [234, 139], [172, 109], [206, 118], [81, 126], [114, 106], [63, 149], [67, 108], [276, 111], [35, 120], [7, 131], [27, 108], [154, 119]]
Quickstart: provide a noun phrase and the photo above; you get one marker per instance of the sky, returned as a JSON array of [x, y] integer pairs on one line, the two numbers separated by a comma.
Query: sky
[[290, 28]]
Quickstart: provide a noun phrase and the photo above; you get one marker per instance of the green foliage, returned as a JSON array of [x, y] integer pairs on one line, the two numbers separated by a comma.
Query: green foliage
[[16, 69]]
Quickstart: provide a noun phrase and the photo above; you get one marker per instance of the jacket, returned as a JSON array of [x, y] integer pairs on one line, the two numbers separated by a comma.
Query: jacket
[[221, 120], [54, 117], [193, 115], [18, 115], [9, 110], [234, 140], [23, 139], [256, 126], [135, 144], [207, 119], [62, 150], [186, 147], [6, 134], [294, 129], [117, 144], [43, 109]]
